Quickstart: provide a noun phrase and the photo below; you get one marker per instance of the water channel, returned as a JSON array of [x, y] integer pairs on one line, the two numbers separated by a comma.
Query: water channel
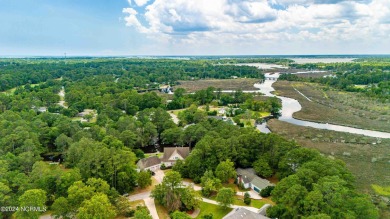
[[290, 106]]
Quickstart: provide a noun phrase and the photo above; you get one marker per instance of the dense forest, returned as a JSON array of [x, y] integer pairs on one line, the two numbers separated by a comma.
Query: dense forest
[[78, 169]]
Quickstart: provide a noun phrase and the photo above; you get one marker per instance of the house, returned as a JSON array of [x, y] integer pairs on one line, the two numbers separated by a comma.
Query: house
[[42, 109], [165, 89], [249, 179], [151, 163], [222, 111], [243, 213], [172, 154]]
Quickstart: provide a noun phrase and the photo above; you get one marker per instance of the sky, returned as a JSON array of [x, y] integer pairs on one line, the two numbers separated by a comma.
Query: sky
[[193, 27]]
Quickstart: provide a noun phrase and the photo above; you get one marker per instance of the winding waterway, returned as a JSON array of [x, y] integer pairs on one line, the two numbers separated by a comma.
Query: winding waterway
[[290, 106]]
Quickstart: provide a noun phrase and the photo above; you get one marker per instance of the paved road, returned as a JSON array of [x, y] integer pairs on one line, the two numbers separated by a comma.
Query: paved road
[[149, 202], [196, 188], [159, 176], [139, 196]]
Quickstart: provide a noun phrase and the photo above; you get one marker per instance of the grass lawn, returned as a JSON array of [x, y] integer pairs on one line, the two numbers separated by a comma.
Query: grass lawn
[[254, 203], [239, 200], [176, 112], [134, 204], [161, 211], [233, 186], [217, 211], [248, 123], [160, 154]]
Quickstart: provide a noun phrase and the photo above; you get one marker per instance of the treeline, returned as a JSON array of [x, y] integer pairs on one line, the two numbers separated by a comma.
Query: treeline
[[135, 72], [13, 74]]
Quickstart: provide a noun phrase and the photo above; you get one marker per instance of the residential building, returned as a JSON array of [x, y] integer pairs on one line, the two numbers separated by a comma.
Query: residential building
[[151, 163], [172, 154], [243, 213], [249, 179]]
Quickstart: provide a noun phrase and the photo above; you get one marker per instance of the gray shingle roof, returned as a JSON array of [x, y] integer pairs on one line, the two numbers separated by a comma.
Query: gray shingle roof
[[242, 213], [148, 162], [249, 176], [182, 151]]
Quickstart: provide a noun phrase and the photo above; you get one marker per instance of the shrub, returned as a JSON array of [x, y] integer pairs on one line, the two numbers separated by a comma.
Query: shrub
[[247, 199], [266, 192], [207, 216]]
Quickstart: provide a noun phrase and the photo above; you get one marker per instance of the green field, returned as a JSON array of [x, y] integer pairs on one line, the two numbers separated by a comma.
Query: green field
[[217, 211]]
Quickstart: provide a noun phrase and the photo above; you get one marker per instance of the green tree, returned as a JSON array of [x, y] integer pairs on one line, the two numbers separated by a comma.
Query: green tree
[[172, 136], [208, 216], [63, 142], [142, 213], [262, 168], [128, 138], [168, 192], [209, 183], [225, 170], [247, 198], [173, 195], [180, 215], [79, 192], [35, 198], [61, 208], [190, 198], [124, 207], [225, 197], [266, 192], [144, 179], [97, 207]]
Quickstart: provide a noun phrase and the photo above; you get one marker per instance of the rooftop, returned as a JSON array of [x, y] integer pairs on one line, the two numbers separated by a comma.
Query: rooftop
[[242, 213], [148, 162]]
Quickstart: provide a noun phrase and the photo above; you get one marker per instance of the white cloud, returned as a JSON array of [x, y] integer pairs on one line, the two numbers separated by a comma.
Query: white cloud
[[251, 22], [141, 2]]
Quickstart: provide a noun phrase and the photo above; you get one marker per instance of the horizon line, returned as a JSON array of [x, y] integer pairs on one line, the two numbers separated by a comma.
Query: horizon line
[[135, 56]]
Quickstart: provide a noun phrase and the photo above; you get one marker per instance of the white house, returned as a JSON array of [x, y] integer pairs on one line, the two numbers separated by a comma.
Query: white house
[[151, 163], [172, 154], [249, 179]]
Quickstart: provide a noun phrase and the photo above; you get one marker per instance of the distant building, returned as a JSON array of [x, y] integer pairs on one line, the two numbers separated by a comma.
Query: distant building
[[243, 213], [166, 89], [151, 163], [222, 111], [172, 154], [42, 109], [249, 179]]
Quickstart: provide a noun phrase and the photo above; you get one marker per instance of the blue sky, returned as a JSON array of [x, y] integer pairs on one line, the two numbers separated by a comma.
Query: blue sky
[[186, 27]]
